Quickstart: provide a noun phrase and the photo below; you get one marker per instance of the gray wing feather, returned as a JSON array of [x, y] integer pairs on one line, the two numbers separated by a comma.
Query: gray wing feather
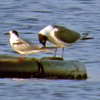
[[24, 45], [66, 35]]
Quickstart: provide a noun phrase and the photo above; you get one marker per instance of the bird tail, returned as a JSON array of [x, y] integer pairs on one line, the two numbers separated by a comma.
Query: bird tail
[[45, 50], [84, 36], [37, 51]]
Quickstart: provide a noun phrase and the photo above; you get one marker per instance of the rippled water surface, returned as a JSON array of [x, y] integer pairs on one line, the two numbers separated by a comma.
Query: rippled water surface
[[29, 17]]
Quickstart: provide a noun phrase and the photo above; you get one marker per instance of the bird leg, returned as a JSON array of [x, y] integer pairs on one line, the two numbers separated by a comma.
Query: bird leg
[[62, 52], [55, 52], [22, 57]]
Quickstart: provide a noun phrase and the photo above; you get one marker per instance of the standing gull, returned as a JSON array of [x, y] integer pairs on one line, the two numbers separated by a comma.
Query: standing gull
[[23, 46], [59, 36]]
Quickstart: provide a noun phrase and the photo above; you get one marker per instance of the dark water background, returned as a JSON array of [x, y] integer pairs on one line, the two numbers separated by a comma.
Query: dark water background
[[29, 17]]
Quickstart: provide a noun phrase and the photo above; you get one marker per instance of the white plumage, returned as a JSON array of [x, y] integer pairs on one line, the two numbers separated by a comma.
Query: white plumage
[[59, 36], [23, 46]]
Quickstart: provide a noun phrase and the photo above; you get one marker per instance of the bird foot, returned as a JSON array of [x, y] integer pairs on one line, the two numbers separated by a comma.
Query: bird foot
[[21, 59]]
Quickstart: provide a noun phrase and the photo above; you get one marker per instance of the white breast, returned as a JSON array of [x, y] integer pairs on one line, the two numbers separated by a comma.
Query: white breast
[[13, 39]]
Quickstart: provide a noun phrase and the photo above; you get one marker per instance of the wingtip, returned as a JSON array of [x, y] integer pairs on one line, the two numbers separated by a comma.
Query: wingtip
[[84, 36], [87, 38]]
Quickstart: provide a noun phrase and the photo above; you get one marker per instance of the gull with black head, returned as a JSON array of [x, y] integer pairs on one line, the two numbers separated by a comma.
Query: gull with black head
[[23, 46], [59, 36]]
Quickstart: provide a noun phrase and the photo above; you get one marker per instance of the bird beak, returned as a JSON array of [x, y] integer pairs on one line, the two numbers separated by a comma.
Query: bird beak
[[43, 39], [6, 33]]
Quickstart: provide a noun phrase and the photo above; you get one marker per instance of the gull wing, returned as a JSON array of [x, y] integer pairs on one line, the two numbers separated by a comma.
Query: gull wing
[[24, 45], [66, 35]]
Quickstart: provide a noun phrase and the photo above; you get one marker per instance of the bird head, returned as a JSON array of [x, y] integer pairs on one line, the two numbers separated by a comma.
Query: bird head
[[44, 34], [42, 39], [14, 32]]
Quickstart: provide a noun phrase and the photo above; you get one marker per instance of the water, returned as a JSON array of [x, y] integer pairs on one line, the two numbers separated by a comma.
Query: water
[[29, 17]]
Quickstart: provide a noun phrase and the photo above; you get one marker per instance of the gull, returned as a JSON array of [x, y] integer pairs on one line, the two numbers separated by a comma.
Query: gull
[[60, 37], [23, 46]]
